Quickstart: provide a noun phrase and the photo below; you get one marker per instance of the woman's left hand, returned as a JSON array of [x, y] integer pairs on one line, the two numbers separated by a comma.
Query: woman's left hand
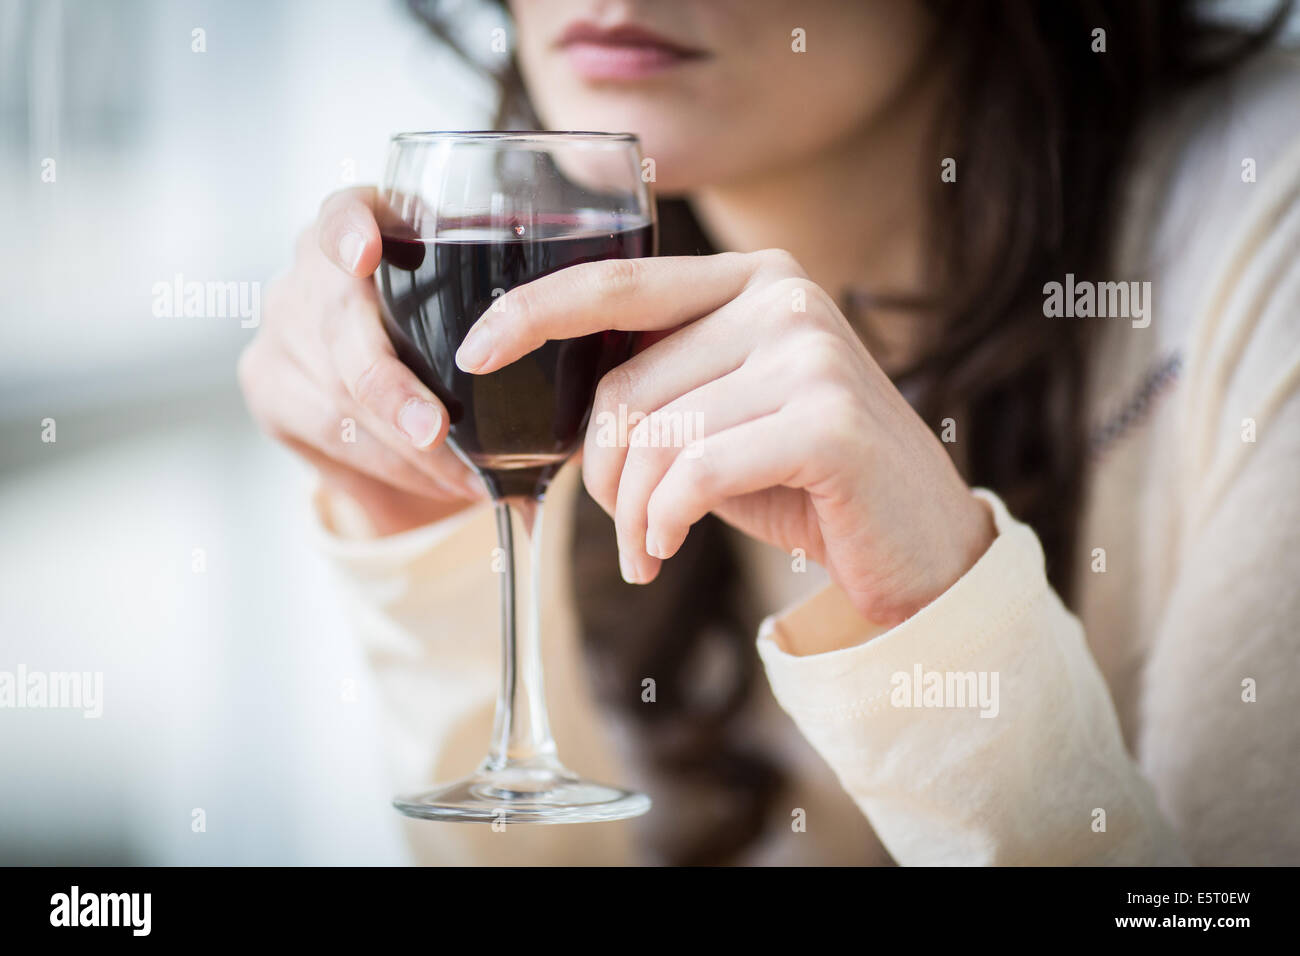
[[802, 441]]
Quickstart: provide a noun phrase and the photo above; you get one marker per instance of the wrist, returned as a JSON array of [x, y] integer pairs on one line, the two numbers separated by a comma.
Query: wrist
[[370, 510], [974, 533], [966, 537]]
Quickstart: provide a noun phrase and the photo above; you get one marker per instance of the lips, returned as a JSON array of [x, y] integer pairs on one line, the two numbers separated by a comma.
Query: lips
[[622, 53]]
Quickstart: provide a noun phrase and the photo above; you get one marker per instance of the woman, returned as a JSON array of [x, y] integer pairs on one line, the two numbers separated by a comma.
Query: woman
[[1092, 518]]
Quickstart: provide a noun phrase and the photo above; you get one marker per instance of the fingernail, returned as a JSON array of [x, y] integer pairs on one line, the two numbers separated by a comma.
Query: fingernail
[[652, 547], [627, 569], [350, 248], [420, 422], [474, 351]]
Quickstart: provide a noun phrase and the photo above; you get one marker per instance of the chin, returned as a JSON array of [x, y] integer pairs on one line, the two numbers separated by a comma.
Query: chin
[[678, 167], [683, 161]]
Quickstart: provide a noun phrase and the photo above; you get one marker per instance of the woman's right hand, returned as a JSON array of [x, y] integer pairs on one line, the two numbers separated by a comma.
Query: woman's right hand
[[321, 376]]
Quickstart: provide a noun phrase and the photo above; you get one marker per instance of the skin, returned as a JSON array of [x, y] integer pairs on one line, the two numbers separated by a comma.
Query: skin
[[322, 358], [815, 182]]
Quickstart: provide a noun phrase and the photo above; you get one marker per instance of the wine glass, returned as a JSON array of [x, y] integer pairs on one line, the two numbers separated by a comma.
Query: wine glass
[[465, 217]]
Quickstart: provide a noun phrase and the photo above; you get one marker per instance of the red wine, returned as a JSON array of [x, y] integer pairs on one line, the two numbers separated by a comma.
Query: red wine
[[519, 424]]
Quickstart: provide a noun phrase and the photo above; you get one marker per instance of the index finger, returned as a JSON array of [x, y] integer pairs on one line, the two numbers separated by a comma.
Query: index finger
[[633, 295]]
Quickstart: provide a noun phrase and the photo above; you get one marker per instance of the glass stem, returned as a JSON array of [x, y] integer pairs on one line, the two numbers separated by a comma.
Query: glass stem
[[522, 733]]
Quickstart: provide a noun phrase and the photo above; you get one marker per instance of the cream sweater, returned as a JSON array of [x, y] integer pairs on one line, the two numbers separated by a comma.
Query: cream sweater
[[1159, 725]]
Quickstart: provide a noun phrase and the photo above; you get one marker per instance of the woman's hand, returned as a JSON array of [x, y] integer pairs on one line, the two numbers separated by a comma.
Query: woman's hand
[[803, 442], [322, 377]]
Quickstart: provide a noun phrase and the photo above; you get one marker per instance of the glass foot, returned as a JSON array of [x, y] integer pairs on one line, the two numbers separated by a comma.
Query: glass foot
[[545, 794]]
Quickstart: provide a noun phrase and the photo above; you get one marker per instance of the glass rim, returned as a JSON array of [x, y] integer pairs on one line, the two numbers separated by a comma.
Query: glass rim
[[514, 136]]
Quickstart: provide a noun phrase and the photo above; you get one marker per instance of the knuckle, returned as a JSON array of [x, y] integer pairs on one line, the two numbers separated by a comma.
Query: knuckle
[[799, 294], [615, 388], [796, 302], [779, 261], [803, 362], [818, 358], [521, 303], [647, 454], [344, 302], [740, 262], [839, 425], [371, 383], [697, 473], [639, 439], [616, 278], [346, 319]]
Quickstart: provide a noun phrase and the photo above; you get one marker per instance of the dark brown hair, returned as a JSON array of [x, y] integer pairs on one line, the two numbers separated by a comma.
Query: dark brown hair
[[1041, 128]]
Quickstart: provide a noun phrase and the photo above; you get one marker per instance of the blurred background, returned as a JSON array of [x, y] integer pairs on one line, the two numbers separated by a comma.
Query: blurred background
[[160, 539]]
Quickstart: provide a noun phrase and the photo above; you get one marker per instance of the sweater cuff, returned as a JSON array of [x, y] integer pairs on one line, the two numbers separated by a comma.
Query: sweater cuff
[[852, 681]]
